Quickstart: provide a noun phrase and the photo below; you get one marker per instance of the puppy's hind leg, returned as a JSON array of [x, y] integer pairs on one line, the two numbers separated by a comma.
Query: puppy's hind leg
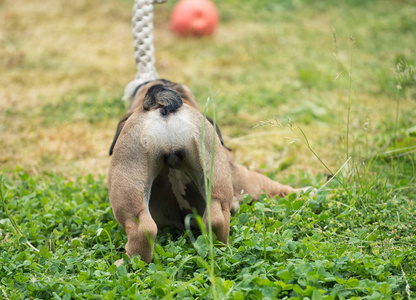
[[141, 234], [221, 198], [220, 221], [130, 208]]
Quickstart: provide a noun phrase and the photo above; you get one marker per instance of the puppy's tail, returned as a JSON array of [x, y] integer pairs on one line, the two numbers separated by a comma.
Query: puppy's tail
[[163, 97]]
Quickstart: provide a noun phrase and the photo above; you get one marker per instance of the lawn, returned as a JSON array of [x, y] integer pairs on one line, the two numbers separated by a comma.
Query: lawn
[[303, 90]]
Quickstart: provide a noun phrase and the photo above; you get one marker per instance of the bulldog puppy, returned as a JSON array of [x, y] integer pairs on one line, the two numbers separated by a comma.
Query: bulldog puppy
[[156, 176]]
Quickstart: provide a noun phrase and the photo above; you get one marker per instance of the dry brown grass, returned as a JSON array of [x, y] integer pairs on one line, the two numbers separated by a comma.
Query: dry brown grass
[[51, 50]]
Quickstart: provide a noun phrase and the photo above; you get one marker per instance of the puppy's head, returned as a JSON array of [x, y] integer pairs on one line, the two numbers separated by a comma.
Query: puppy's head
[[139, 95]]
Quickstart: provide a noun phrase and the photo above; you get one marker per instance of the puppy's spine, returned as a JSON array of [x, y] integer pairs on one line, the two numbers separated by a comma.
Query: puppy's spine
[[163, 97]]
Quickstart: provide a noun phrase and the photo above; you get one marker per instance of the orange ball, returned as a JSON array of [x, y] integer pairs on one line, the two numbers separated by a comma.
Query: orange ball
[[194, 17]]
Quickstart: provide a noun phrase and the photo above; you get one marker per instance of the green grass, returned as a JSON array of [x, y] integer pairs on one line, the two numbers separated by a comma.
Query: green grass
[[92, 107], [332, 246], [64, 67]]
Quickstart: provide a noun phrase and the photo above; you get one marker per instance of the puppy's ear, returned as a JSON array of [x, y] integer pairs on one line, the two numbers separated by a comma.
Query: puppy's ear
[[186, 94], [119, 128], [218, 133]]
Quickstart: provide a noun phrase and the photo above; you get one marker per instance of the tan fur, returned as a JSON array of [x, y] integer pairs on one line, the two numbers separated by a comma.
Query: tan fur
[[142, 188]]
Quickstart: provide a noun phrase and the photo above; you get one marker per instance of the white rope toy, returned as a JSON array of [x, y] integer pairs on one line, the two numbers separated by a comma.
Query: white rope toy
[[142, 28]]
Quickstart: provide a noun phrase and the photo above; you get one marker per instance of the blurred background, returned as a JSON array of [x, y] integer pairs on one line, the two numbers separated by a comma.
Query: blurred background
[[64, 66]]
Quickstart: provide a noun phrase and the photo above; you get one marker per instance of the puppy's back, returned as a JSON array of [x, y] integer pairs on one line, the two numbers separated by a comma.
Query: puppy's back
[[164, 128]]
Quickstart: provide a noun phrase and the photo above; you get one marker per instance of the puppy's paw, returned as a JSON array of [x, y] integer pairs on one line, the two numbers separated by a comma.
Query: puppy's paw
[[307, 190], [235, 205], [118, 262]]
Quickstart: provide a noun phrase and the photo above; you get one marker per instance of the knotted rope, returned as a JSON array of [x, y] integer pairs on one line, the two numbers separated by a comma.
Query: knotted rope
[[142, 28]]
